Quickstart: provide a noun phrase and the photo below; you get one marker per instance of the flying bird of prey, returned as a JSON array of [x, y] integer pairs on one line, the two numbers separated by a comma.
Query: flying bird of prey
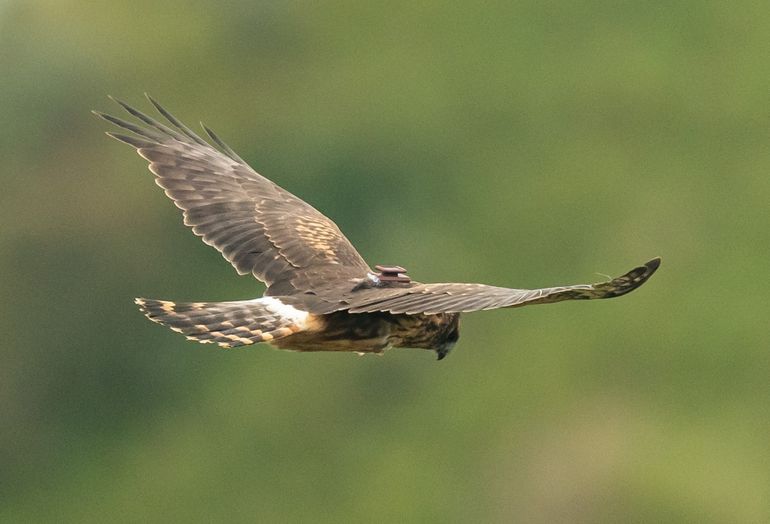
[[321, 295]]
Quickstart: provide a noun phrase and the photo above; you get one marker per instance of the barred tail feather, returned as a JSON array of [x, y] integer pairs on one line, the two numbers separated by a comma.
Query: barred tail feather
[[229, 324]]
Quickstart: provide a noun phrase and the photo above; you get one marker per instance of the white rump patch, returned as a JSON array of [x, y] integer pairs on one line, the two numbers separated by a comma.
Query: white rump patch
[[274, 305]]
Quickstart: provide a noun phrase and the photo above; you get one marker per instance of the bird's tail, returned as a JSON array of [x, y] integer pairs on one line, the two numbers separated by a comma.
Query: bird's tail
[[229, 324]]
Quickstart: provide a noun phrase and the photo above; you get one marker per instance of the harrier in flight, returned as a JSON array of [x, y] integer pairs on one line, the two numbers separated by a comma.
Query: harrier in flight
[[321, 295]]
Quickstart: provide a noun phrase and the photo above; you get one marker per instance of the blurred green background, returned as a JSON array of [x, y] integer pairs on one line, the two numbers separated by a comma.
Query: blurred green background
[[514, 143]]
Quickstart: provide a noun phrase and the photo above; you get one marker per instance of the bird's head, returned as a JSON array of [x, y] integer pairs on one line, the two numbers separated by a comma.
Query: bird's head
[[449, 336]]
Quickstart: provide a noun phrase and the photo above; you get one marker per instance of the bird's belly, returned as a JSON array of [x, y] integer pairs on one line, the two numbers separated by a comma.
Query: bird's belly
[[342, 331]]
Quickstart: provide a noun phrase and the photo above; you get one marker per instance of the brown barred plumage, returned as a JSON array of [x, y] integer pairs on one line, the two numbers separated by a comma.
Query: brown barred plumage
[[321, 295]]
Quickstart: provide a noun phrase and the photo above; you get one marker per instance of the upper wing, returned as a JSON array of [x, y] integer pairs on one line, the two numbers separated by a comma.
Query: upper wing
[[461, 298], [258, 227]]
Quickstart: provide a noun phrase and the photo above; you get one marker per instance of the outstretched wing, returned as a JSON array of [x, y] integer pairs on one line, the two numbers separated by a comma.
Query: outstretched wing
[[461, 298], [258, 227]]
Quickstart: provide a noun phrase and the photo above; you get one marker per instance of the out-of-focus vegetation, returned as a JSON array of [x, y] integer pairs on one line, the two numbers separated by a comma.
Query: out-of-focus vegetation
[[515, 143]]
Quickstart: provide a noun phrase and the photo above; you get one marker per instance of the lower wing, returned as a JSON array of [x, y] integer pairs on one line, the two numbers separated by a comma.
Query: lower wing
[[461, 298]]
